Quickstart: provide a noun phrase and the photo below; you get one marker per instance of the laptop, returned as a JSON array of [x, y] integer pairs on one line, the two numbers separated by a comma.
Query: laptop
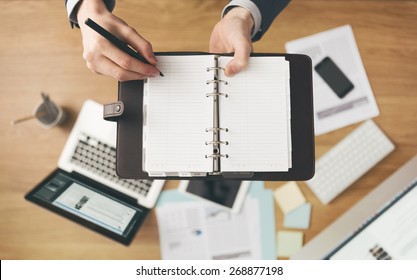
[[85, 187], [382, 226]]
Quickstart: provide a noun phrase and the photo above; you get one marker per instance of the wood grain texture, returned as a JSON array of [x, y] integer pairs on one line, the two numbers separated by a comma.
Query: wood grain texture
[[39, 52]]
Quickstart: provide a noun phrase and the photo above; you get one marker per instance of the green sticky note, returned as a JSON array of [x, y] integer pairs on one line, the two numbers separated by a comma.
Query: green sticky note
[[289, 242]]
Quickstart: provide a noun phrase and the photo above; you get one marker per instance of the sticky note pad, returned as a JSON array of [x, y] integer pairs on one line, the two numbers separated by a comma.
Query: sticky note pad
[[289, 197], [299, 217], [289, 242]]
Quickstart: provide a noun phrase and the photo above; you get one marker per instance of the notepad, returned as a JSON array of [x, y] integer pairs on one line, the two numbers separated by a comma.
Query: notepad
[[198, 121]]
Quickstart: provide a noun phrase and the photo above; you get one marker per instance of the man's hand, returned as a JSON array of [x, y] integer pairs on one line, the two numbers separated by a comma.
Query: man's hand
[[102, 56], [233, 34]]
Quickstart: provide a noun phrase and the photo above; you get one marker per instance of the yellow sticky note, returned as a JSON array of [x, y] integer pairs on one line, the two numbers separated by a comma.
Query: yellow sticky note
[[289, 197], [289, 242]]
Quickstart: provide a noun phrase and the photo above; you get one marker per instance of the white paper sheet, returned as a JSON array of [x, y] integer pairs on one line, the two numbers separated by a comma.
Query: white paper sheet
[[332, 112], [195, 230], [178, 112], [256, 115]]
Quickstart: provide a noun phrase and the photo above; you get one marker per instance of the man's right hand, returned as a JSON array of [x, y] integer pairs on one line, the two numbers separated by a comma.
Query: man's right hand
[[103, 57]]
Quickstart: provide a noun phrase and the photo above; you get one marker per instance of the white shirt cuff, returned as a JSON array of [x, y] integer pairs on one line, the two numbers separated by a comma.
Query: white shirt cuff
[[253, 9], [70, 8]]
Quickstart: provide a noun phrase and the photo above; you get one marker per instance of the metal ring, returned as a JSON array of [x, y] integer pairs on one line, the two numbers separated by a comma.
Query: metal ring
[[217, 142], [217, 93], [214, 68], [217, 129], [216, 81], [217, 156]]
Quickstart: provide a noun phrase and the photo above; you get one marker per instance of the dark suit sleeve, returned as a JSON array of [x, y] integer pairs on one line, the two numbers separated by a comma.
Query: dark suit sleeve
[[269, 10], [73, 7]]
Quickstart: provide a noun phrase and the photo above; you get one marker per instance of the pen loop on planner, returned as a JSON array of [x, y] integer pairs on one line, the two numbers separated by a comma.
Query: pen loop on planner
[[217, 142], [217, 94], [217, 156]]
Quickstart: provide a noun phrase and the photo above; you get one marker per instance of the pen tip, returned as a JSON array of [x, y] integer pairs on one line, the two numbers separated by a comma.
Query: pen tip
[[160, 74]]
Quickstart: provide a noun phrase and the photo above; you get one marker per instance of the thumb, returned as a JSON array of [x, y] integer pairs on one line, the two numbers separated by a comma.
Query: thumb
[[239, 62]]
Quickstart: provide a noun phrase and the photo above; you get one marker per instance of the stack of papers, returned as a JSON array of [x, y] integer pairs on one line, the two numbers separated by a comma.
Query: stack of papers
[[193, 229]]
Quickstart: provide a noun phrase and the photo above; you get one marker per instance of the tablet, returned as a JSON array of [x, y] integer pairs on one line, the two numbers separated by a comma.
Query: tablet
[[90, 204], [228, 195]]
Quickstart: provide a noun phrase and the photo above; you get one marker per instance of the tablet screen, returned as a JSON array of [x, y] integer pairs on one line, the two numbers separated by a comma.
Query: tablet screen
[[91, 204], [95, 208]]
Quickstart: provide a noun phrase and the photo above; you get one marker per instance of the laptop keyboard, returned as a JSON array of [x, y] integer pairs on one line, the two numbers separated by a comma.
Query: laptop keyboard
[[100, 159]]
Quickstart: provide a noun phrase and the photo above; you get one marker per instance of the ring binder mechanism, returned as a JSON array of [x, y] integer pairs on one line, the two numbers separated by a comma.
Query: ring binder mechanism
[[216, 142]]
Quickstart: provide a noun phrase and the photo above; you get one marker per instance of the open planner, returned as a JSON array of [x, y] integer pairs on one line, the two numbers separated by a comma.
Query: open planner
[[196, 122]]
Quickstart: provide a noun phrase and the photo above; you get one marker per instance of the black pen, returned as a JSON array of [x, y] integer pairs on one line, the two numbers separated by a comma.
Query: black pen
[[116, 41]]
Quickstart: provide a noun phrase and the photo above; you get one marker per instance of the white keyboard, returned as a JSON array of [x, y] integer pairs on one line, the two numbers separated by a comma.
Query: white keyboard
[[349, 160]]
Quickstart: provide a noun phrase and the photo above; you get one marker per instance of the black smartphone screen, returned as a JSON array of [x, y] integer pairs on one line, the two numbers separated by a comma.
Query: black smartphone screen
[[334, 77]]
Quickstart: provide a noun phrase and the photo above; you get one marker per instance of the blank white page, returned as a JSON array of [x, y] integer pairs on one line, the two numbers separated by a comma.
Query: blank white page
[[255, 113], [177, 114]]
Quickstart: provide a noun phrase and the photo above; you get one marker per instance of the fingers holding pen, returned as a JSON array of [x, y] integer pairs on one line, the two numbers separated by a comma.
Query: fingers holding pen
[[99, 52], [103, 56], [144, 47], [129, 63], [107, 67]]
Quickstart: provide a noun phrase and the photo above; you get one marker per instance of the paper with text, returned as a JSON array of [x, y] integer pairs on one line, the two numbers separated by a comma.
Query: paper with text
[[195, 230], [330, 111]]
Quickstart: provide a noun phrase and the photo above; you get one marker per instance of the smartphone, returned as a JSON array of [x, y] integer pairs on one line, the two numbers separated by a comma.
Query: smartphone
[[228, 195], [334, 77]]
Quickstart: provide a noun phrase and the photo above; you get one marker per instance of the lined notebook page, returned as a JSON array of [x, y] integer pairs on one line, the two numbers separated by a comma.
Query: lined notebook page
[[177, 114], [256, 115]]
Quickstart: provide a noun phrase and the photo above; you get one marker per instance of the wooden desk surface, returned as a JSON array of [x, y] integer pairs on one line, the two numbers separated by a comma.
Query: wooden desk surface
[[39, 52]]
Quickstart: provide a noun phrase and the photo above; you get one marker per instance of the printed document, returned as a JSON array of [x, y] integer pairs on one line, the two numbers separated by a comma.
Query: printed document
[[195, 230], [332, 112]]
